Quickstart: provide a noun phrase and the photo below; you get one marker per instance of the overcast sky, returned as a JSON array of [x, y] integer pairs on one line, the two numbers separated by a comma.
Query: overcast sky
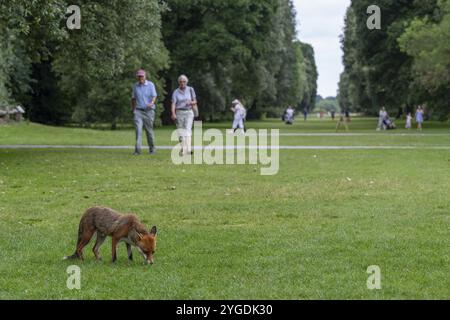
[[320, 23]]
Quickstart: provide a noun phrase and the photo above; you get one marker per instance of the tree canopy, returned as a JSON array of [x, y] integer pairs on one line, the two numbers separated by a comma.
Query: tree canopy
[[244, 49], [403, 64]]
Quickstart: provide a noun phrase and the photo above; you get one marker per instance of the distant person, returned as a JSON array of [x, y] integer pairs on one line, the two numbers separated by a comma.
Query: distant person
[[381, 117], [143, 107], [426, 115], [408, 121], [333, 115], [399, 114], [388, 124], [347, 116], [183, 100], [239, 116], [305, 114], [419, 118], [289, 115], [342, 122]]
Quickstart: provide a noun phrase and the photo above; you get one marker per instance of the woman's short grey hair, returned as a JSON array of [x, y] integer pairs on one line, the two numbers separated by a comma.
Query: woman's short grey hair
[[183, 77]]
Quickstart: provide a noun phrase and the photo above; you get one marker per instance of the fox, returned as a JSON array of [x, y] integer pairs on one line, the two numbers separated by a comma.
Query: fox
[[121, 227]]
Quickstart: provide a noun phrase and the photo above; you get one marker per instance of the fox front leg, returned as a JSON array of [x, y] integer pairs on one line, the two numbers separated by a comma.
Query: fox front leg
[[114, 249], [129, 252]]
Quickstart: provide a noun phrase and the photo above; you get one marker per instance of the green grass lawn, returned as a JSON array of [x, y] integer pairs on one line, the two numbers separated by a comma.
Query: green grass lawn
[[434, 134], [226, 232]]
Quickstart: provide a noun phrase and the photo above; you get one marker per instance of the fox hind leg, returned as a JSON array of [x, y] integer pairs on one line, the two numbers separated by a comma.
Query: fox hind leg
[[84, 239], [100, 239]]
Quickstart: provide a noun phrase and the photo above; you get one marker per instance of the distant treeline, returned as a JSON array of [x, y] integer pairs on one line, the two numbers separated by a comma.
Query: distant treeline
[[329, 104], [404, 64], [243, 49]]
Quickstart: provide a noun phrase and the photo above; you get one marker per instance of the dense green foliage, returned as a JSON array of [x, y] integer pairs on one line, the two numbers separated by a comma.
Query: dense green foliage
[[404, 64], [329, 104], [244, 49], [241, 49]]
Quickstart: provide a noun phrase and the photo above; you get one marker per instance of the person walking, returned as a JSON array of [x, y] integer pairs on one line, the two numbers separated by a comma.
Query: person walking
[[419, 118], [333, 115], [347, 116], [409, 121], [342, 121], [144, 109], [239, 116], [381, 118], [183, 101]]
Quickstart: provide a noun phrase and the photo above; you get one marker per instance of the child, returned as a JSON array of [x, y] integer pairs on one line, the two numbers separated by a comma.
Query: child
[[408, 121]]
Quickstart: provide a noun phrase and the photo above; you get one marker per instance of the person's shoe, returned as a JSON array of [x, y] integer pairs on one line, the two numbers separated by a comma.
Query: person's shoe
[[136, 153], [153, 151]]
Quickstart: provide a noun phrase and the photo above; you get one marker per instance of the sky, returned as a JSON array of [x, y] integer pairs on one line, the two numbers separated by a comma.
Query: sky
[[320, 23]]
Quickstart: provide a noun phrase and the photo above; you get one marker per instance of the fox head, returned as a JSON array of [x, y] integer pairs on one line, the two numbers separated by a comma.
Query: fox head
[[147, 245]]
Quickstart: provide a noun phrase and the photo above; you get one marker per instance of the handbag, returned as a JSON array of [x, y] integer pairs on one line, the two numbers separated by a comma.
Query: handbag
[[194, 107]]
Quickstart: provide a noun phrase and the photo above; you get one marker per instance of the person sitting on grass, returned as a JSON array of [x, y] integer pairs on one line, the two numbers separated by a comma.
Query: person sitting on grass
[[289, 115]]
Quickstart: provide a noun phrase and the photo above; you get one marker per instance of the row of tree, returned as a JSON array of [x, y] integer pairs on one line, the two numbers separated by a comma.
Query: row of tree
[[404, 64], [228, 49], [328, 104]]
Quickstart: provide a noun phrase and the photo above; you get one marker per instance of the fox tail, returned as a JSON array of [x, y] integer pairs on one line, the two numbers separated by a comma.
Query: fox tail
[[75, 255]]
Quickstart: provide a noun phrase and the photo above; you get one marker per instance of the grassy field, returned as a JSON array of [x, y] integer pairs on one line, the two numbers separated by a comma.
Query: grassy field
[[226, 232]]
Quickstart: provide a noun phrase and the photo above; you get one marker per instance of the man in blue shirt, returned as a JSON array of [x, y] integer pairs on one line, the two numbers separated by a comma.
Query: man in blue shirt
[[143, 106]]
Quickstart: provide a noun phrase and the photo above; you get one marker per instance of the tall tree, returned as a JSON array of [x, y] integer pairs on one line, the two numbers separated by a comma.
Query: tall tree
[[97, 64], [27, 28], [234, 49], [426, 40], [377, 72]]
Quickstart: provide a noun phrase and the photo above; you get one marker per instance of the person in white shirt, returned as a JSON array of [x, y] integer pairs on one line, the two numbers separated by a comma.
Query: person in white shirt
[[289, 116], [239, 116], [382, 116], [409, 121]]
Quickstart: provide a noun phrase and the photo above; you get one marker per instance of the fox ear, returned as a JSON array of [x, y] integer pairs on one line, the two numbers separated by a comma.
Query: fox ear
[[153, 231]]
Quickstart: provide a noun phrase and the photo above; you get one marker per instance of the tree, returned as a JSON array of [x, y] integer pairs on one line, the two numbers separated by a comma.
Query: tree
[[377, 72], [308, 99], [234, 49], [97, 64], [427, 42], [27, 27]]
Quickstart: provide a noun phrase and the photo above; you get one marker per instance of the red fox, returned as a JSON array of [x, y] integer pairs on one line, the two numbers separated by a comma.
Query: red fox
[[107, 222]]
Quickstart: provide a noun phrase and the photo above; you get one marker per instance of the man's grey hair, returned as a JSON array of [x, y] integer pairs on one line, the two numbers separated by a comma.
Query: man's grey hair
[[183, 77]]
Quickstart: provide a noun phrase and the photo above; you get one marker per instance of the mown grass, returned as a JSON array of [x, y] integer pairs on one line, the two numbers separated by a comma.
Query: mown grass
[[434, 134], [226, 232]]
